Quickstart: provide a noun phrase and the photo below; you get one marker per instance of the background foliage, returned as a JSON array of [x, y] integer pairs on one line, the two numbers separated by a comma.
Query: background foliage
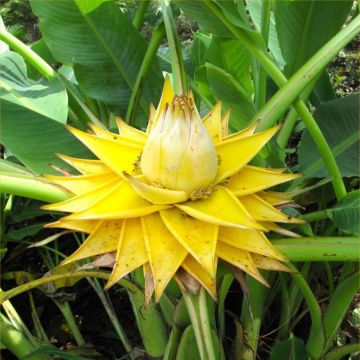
[[109, 57]]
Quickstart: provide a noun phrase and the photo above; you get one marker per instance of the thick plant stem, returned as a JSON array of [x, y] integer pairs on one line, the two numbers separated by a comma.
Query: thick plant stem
[[316, 340], [31, 56], [15, 340], [315, 215], [200, 320], [32, 187], [177, 63], [319, 248], [17, 322], [291, 89], [149, 57], [140, 13], [260, 96], [290, 120]]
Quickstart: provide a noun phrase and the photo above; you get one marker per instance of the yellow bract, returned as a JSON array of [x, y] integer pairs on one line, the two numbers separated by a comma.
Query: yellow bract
[[180, 195]]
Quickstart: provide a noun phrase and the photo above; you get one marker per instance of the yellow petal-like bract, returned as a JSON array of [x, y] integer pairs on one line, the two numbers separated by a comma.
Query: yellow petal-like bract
[[180, 195]]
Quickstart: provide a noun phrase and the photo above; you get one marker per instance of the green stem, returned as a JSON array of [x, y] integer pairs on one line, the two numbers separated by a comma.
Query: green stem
[[65, 309], [149, 57], [140, 13], [285, 308], [39, 330], [339, 352], [324, 149], [319, 248], [111, 314], [192, 308], [260, 98], [295, 297], [205, 324], [316, 340], [31, 56], [291, 89], [177, 64], [315, 215], [290, 120], [199, 315], [31, 187], [6, 295], [15, 340], [150, 323], [17, 322]]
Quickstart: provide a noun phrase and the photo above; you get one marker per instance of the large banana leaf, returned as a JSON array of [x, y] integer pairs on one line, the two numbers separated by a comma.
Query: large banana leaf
[[339, 122], [50, 101], [227, 89], [209, 23], [254, 8], [32, 116], [304, 26], [100, 42], [229, 55]]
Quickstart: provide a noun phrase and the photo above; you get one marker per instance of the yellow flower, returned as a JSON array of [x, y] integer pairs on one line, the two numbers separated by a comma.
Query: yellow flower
[[180, 195]]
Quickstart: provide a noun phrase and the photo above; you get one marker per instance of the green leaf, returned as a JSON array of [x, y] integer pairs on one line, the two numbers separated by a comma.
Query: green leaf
[[254, 8], [32, 116], [102, 45], [150, 324], [20, 234], [345, 214], [188, 349], [199, 48], [181, 316], [227, 89], [52, 350], [173, 344], [338, 120], [291, 349], [46, 99], [338, 306], [303, 27], [209, 23], [229, 55], [323, 90]]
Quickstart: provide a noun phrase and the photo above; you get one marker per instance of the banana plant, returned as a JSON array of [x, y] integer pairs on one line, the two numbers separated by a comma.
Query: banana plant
[[191, 209]]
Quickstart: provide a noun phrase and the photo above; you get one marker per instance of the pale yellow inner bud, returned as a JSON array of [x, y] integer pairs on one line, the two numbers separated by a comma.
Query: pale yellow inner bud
[[180, 154]]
